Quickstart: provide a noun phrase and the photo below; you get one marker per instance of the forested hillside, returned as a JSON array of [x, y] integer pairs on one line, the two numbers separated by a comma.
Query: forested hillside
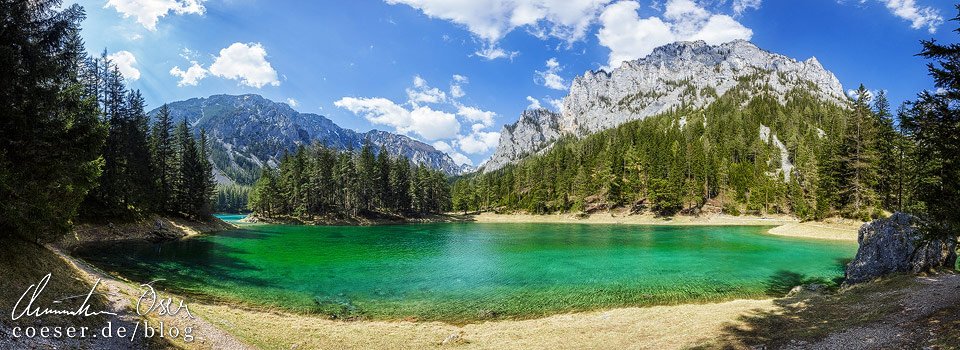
[[746, 152]]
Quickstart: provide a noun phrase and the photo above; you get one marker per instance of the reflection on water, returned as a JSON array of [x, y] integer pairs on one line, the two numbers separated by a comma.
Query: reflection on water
[[459, 270]]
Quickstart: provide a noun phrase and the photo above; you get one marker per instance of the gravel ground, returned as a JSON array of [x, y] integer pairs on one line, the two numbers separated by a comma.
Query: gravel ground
[[906, 329]]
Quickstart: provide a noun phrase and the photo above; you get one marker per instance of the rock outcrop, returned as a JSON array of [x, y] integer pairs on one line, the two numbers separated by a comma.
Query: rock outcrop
[[529, 135], [893, 245], [691, 74]]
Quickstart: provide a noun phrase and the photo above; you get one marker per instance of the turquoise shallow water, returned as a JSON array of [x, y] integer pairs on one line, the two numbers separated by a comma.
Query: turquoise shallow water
[[455, 271]]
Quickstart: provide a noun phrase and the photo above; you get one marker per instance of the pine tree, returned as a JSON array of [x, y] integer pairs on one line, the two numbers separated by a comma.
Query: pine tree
[[382, 180], [400, 185], [933, 125], [207, 180], [50, 134], [886, 148], [161, 145], [861, 158], [367, 173]]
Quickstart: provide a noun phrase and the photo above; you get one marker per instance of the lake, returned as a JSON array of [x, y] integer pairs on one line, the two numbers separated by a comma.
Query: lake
[[469, 271]]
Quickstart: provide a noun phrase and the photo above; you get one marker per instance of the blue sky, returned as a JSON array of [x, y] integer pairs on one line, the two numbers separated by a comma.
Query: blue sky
[[451, 73]]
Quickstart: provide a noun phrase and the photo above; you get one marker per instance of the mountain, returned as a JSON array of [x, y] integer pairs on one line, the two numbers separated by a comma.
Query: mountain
[[681, 74], [248, 131]]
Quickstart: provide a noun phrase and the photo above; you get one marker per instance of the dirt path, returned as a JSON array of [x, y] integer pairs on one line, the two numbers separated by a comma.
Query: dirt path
[[907, 329], [206, 335]]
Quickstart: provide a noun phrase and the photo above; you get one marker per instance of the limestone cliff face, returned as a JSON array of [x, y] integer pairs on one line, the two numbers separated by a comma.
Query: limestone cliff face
[[690, 74], [535, 130]]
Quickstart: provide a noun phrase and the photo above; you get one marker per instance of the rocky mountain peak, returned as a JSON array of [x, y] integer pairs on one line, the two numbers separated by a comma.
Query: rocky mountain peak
[[685, 73], [249, 131]]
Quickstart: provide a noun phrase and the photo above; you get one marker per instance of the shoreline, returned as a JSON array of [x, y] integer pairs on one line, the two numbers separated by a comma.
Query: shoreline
[[787, 226], [144, 229], [831, 229]]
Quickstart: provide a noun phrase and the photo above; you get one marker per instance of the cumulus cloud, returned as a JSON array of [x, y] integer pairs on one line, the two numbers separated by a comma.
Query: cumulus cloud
[[919, 17], [292, 102], [423, 93], [191, 76], [473, 114], [549, 77], [246, 63], [424, 121], [557, 104], [491, 20], [124, 62], [456, 87], [630, 37], [458, 157], [148, 12], [479, 142], [534, 103], [431, 115]]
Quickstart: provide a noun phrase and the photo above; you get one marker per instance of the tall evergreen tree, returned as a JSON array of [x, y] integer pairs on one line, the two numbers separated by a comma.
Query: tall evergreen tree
[[162, 147], [933, 125], [862, 156], [50, 134]]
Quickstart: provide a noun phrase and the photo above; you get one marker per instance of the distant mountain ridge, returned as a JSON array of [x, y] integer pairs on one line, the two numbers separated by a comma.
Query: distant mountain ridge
[[691, 74], [248, 131]]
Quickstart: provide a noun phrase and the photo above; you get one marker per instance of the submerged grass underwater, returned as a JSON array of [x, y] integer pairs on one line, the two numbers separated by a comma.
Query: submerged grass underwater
[[463, 272]]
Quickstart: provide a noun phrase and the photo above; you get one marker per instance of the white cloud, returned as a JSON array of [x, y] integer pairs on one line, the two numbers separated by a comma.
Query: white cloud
[[491, 20], [292, 102], [148, 12], [852, 93], [458, 157], [124, 61], [492, 52], [456, 91], [630, 37], [191, 76], [476, 115], [534, 103], [919, 17], [557, 104], [434, 122], [742, 5], [428, 123], [247, 63], [456, 87], [479, 142], [423, 93], [433, 125], [549, 77]]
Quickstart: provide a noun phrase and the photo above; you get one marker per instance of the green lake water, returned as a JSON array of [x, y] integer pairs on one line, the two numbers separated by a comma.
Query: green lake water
[[455, 271]]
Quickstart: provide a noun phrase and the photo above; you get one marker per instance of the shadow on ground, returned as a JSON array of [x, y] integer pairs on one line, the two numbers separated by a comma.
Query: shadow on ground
[[805, 317]]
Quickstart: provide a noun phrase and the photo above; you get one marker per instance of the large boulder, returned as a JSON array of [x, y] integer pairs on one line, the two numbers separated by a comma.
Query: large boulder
[[892, 245]]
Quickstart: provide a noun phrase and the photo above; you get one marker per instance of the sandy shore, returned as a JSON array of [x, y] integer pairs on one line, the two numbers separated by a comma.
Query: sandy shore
[[786, 226]]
